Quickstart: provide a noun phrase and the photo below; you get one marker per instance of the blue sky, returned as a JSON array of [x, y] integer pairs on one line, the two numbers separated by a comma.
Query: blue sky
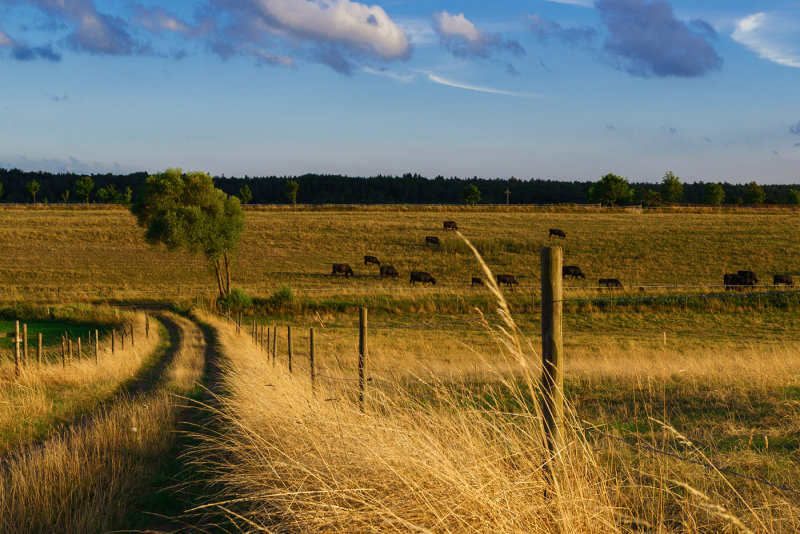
[[568, 89]]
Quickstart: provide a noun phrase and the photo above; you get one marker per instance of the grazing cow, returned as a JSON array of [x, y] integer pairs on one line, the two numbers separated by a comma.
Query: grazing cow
[[388, 271], [342, 268], [558, 233], [572, 270], [782, 279], [371, 260], [749, 277], [450, 225], [431, 240], [611, 283], [422, 276], [507, 279], [731, 280], [476, 281]]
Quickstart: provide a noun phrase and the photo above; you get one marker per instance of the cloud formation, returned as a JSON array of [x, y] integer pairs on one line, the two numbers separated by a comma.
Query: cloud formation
[[29, 53], [4, 39], [479, 88], [463, 39], [545, 29], [763, 33], [647, 40], [795, 128]]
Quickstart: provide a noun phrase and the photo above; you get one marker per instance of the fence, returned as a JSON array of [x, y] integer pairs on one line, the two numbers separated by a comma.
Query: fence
[[550, 306], [70, 345]]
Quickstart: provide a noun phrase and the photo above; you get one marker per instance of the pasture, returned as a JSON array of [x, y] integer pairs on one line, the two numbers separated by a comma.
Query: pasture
[[714, 380]]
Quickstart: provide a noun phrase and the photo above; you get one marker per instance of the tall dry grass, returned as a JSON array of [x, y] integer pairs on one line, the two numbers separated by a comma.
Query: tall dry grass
[[90, 478], [50, 395]]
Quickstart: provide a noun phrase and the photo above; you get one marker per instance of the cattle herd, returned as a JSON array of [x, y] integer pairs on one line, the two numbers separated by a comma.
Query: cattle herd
[[738, 280]]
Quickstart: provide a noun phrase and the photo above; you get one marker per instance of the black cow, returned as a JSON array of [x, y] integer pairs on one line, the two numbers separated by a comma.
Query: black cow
[[507, 279], [450, 225], [749, 277], [572, 270], [738, 280], [371, 260], [388, 271], [782, 279], [611, 283], [476, 281], [431, 240], [558, 233], [341, 268], [422, 276]]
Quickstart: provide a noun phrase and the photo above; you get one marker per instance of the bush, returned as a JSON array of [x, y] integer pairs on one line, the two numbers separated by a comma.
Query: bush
[[282, 297], [238, 300]]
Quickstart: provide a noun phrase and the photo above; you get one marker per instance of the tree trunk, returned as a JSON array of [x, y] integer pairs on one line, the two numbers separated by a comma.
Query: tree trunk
[[218, 270], [227, 274]]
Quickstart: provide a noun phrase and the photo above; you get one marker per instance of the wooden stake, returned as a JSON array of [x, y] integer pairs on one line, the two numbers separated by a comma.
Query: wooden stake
[[113, 336], [289, 344], [362, 355], [146, 326], [25, 344], [311, 359], [552, 349], [16, 348], [80, 349], [69, 344], [131, 335], [63, 351], [96, 343], [39, 348], [274, 343]]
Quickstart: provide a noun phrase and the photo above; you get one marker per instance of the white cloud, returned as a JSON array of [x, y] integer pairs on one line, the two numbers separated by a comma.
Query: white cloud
[[457, 26], [582, 3], [405, 78], [480, 88], [771, 36], [357, 25]]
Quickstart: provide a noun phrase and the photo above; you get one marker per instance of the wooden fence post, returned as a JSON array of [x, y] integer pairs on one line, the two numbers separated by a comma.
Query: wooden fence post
[[289, 345], [24, 344], [122, 339], [69, 344], [113, 343], [552, 348], [362, 354], [63, 351], [311, 359], [255, 333], [39, 348], [16, 349], [131, 334], [267, 340], [146, 326], [96, 342], [80, 349], [274, 343]]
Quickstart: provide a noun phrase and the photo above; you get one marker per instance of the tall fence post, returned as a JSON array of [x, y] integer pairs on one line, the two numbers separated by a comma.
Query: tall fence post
[[274, 343], [254, 335], [146, 326], [80, 349], [311, 359], [16, 349], [552, 348], [131, 334], [39, 348], [113, 343], [96, 342], [63, 351], [289, 345], [24, 343], [362, 354], [69, 344]]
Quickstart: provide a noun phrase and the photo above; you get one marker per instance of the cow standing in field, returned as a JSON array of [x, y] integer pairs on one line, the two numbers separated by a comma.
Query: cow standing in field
[[749, 277], [572, 270], [610, 283], [422, 276], [476, 281], [431, 240], [371, 260], [507, 279], [739, 280], [388, 271], [558, 233], [341, 268], [782, 279], [450, 225]]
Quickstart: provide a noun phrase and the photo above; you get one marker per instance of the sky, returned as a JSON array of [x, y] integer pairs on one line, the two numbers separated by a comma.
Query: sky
[[550, 89]]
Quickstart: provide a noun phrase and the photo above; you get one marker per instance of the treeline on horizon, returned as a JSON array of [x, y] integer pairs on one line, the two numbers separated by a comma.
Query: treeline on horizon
[[337, 189]]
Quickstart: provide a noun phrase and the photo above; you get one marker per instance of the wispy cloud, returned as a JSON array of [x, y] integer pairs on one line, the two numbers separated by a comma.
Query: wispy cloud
[[4, 39], [404, 78], [480, 88], [766, 33], [545, 29], [461, 37], [582, 3], [795, 128]]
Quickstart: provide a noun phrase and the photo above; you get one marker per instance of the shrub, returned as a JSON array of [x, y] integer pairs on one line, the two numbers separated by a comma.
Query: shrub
[[283, 296], [238, 300]]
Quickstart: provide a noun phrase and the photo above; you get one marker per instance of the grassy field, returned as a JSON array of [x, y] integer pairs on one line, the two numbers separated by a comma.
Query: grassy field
[[710, 380]]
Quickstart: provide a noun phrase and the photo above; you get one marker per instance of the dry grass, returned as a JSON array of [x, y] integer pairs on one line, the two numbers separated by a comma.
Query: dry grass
[[89, 478], [48, 396]]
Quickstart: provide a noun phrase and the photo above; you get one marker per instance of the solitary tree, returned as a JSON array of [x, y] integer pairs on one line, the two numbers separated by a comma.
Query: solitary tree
[[65, 196], [611, 189], [291, 191], [671, 188], [186, 212], [83, 187], [472, 195], [713, 194], [33, 188], [754, 194], [794, 195], [245, 195]]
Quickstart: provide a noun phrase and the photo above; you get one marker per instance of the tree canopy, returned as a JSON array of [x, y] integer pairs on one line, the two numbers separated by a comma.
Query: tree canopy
[[472, 195], [186, 212], [611, 189], [713, 194], [84, 186], [671, 188], [291, 191], [754, 194]]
